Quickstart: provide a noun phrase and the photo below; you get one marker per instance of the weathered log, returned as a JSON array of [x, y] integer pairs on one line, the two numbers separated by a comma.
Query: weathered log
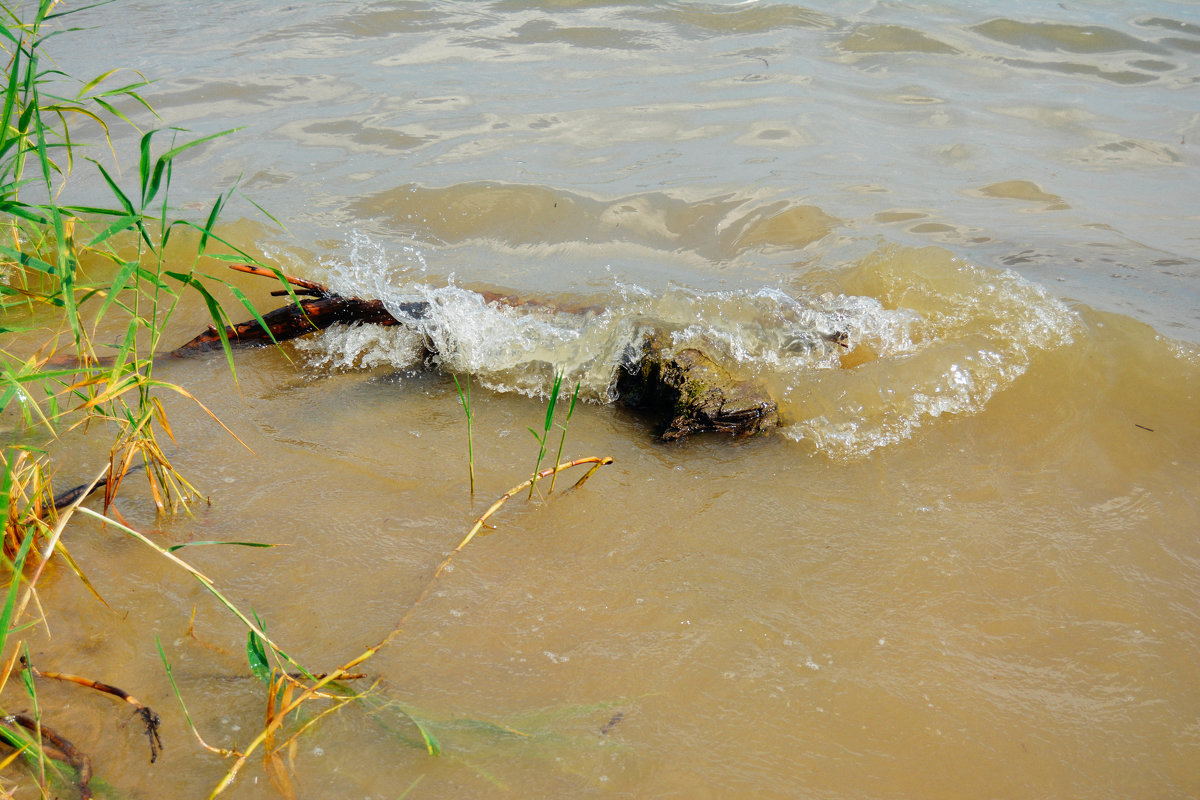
[[295, 320], [693, 393], [687, 389]]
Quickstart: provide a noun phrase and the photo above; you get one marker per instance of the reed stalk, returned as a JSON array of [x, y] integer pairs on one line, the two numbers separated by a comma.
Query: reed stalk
[[85, 378], [134, 234], [544, 436], [464, 397], [562, 440]]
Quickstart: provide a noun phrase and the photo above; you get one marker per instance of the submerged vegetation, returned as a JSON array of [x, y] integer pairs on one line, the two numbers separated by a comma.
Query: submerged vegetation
[[86, 295]]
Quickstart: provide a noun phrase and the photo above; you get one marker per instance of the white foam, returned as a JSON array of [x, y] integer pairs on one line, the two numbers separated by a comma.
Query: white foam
[[344, 347], [978, 339], [974, 333]]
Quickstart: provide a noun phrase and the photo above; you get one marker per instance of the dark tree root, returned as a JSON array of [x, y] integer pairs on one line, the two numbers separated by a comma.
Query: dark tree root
[[688, 391], [150, 719], [61, 749], [69, 496]]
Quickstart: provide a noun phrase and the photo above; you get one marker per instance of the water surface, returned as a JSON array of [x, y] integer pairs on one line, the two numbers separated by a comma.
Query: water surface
[[966, 566]]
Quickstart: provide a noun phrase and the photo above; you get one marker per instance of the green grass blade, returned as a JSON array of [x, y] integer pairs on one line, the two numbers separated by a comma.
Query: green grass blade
[[550, 406], [240, 296], [411, 786], [23, 211], [204, 580], [49, 5], [127, 89], [96, 81], [117, 286], [263, 211], [464, 397], [562, 440], [175, 687], [27, 260], [122, 198], [13, 89], [142, 100], [211, 222], [544, 436], [125, 223], [116, 112], [144, 166], [14, 585], [174, 151]]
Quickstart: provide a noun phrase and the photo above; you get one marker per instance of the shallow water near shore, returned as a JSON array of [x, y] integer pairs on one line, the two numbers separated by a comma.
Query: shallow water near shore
[[957, 247]]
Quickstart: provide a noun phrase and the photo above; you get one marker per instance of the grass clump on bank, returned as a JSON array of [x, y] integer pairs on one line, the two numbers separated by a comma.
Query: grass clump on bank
[[78, 352], [86, 294]]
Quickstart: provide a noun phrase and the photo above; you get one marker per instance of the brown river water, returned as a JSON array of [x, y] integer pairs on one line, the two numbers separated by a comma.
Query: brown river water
[[967, 565]]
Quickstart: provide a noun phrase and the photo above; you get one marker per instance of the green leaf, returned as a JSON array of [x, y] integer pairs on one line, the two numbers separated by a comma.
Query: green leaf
[[211, 222], [94, 82], [46, 16], [144, 167], [127, 89], [96, 211], [125, 223], [117, 286], [116, 190], [174, 151], [116, 112], [249, 306], [26, 260], [13, 91], [14, 584], [256, 654], [432, 746], [142, 100], [263, 211], [23, 211]]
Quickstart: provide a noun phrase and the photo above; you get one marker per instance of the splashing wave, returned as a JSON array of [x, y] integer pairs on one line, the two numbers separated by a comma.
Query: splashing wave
[[916, 335]]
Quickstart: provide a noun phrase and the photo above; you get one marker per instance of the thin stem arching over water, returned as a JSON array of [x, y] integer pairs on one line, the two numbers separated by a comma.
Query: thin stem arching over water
[[298, 699]]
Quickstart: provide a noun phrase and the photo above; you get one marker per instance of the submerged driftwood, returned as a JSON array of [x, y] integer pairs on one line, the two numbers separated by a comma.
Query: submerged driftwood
[[316, 313], [687, 390], [693, 393]]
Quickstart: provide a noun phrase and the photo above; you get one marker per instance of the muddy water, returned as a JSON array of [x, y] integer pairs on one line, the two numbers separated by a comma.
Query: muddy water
[[966, 566]]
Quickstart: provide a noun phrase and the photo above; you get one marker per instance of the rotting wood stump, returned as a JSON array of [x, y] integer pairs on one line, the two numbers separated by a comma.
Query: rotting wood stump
[[687, 391], [693, 393]]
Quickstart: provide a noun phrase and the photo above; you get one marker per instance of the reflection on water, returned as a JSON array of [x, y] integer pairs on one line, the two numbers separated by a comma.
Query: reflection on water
[[968, 565]]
